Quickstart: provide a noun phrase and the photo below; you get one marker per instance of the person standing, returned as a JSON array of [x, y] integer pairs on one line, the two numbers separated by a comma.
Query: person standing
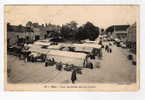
[[59, 66], [110, 50], [73, 76], [106, 48]]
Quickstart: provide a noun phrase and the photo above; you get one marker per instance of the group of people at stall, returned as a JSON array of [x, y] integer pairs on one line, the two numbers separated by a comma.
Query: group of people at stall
[[30, 56]]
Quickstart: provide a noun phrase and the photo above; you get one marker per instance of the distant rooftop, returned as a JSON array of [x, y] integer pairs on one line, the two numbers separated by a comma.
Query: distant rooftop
[[117, 28], [121, 27], [20, 28]]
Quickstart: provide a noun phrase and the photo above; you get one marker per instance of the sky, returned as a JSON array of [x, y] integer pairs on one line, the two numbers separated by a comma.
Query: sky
[[102, 16]]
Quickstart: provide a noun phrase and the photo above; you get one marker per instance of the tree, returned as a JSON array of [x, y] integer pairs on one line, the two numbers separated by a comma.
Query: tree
[[110, 29], [65, 30], [73, 25], [81, 34], [88, 31], [69, 30], [21, 28], [29, 24]]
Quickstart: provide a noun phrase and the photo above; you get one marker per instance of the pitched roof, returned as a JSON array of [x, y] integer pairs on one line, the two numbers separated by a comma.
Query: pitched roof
[[14, 28], [117, 28], [121, 27]]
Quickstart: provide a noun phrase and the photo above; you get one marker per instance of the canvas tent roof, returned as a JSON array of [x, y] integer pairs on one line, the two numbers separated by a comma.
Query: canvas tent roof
[[67, 54], [56, 47], [88, 41], [88, 45], [35, 48], [42, 42]]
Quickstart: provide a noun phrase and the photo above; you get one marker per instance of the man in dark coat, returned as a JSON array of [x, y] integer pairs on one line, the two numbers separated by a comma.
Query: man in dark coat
[[110, 50], [73, 76], [106, 48], [59, 66]]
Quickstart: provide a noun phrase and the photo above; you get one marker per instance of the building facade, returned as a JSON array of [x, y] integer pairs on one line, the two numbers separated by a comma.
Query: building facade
[[31, 32], [19, 33], [120, 32], [131, 37]]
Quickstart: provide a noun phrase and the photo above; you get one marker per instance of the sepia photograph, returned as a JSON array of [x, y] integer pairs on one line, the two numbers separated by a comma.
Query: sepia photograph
[[71, 47]]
